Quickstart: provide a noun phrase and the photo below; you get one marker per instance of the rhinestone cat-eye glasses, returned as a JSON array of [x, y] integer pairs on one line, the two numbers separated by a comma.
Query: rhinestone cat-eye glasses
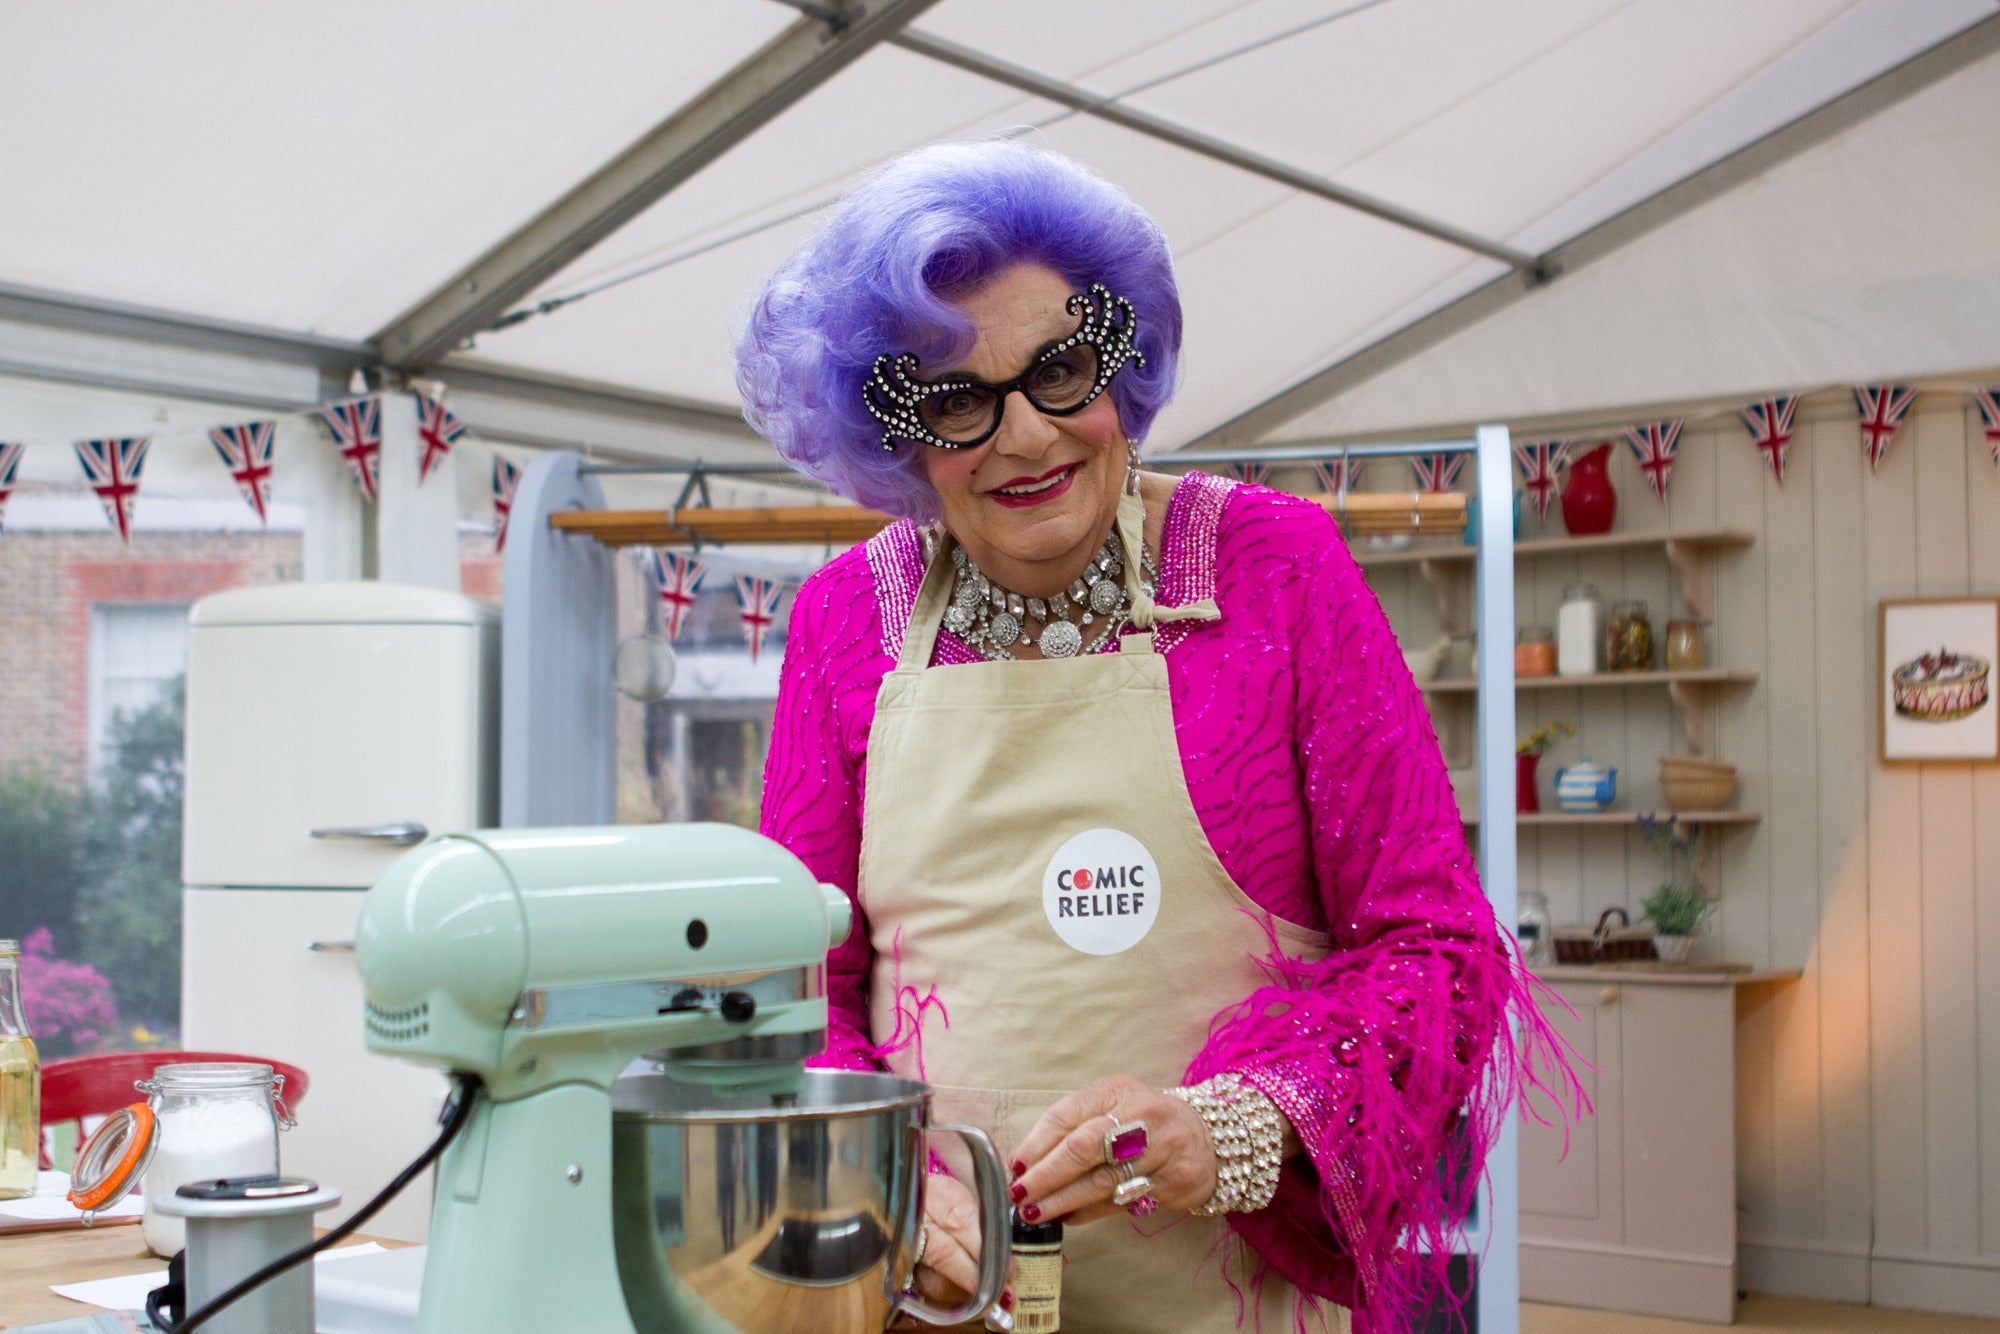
[[961, 411]]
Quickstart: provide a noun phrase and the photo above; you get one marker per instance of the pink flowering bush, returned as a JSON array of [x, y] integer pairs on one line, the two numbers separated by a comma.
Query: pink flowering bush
[[69, 1004]]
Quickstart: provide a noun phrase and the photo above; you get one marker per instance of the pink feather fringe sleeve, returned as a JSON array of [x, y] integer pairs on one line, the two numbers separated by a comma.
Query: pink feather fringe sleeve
[[1395, 1058]]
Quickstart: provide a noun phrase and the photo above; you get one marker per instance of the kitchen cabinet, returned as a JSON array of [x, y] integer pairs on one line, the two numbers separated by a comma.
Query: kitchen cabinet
[[1639, 1214]]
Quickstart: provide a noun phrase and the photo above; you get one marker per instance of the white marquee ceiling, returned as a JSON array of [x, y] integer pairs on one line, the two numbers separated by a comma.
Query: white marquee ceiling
[[320, 170]]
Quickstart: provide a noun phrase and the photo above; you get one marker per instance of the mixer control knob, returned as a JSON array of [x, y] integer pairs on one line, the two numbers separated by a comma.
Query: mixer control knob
[[738, 1007]]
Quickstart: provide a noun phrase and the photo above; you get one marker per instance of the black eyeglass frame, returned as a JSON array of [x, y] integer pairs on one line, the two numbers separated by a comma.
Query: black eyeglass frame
[[893, 394]]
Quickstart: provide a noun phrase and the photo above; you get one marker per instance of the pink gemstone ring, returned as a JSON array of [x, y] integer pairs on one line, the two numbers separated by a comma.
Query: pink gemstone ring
[[1124, 1142], [1142, 1206]]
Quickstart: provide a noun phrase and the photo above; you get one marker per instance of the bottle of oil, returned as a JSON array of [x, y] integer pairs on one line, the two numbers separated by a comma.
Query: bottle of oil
[[20, 1085]]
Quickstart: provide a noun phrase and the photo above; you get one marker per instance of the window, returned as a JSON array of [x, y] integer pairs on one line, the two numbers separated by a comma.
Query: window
[[136, 649]]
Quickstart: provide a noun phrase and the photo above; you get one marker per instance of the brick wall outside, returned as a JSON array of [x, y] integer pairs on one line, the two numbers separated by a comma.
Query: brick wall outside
[[48, 584]]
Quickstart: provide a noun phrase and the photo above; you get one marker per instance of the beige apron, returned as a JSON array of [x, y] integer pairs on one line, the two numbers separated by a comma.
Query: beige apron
[[1029, 850]]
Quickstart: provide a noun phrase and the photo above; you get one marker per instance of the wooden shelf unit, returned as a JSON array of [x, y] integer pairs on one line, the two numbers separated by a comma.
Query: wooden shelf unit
[[1714, 539], [1600, 818], [1706, 676]]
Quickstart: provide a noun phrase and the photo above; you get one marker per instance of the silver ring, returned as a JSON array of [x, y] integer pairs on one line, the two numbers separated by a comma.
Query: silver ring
[[1137, 1188], [1126, 1171], [923, 1241]]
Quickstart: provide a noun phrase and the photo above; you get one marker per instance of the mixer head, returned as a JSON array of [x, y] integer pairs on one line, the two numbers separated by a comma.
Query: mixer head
[[534, 957]]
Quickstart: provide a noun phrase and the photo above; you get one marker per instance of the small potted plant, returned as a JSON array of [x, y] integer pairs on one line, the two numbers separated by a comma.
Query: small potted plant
[[1676, 909], [1526, 756]]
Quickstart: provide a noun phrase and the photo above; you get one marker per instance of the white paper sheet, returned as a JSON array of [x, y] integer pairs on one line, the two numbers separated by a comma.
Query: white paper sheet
[[128, 1292], [48, 1205]]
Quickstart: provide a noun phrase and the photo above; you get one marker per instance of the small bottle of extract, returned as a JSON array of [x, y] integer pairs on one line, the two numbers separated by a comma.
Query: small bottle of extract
[[1038, 1270]]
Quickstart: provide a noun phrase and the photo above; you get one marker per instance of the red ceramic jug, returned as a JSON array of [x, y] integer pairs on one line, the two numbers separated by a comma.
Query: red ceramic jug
[[1589, 504]]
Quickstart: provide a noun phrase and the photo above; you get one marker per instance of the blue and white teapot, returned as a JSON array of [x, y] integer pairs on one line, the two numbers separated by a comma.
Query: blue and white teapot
[[1585, 787]]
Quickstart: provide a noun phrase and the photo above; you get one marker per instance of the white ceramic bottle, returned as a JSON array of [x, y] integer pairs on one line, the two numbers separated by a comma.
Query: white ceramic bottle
[[1578, 632]]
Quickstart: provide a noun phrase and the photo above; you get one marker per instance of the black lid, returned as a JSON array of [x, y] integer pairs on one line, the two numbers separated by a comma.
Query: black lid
[[1036, 1234]]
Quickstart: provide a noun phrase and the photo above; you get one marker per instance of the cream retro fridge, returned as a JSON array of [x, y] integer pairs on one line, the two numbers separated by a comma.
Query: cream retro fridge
[[330, 726]]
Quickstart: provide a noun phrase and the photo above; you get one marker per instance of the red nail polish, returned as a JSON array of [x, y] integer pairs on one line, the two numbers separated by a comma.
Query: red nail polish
[[1031, 1212], [1018, 1192], [1007, 1299], [1020, 1168]]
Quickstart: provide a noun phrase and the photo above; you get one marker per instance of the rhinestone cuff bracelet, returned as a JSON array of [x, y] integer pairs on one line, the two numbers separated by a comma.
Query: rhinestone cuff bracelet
[[1249, 1136]]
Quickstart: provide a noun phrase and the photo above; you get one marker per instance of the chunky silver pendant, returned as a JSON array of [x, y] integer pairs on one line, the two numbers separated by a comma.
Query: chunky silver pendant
[[1061, 640], [993, 620]]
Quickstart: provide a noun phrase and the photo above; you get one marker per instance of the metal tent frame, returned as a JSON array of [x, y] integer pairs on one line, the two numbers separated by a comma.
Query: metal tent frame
[[70, 339]]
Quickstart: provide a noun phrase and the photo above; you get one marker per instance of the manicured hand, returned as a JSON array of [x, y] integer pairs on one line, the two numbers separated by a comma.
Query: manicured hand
[[949, 1272], [1060, 1170]]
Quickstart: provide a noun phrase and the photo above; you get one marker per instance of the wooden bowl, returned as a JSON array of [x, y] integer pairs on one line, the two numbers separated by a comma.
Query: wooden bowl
[[1695, 785], [1690, 764]]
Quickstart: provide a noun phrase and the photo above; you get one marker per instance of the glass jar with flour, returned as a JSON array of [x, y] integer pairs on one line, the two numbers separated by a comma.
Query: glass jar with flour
[[215, 1119]]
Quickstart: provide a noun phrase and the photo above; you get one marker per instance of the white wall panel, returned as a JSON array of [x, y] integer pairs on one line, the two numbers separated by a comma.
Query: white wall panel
[[1868, 1100]]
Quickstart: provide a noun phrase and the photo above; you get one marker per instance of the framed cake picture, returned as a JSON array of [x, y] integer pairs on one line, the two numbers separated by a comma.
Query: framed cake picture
[[1938, 663]]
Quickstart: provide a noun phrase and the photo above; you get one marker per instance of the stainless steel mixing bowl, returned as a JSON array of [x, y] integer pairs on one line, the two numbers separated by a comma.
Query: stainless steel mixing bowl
[[735, 1214]]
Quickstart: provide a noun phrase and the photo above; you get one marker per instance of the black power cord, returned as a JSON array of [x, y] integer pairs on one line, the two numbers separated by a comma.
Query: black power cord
[[163, 1299]]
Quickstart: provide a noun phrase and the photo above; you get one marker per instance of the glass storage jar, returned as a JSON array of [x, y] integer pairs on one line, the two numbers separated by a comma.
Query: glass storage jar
[[1461, 659], [1531, 928], [1628, 644], [1535, 651], [215, 1119], [1685, 650]]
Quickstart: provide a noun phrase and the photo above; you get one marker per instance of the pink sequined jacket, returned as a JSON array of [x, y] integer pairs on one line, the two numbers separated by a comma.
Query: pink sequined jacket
[[1318, 780]]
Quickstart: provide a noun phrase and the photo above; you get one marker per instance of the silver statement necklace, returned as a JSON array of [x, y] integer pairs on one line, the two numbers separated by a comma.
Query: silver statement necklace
[[993, 620]]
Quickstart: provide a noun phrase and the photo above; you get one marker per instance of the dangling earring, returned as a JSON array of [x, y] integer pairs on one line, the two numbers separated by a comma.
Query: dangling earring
[[1132, 467]]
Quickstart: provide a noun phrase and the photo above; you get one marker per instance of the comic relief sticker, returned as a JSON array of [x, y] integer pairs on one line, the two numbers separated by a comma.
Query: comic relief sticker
[[1102, 891]]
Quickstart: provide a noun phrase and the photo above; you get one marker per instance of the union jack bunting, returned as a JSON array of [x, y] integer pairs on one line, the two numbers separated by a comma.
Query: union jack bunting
[[758, 599], [1989, 412], [1437, 472], [113, 467], [677, 577], [1329, 472], [438, 429], [246, 452], [10, 463], [1540, 465], [1253, 473], [1770, 424], [506, 477], [1882, 408], [1655, 444], [357, 428]]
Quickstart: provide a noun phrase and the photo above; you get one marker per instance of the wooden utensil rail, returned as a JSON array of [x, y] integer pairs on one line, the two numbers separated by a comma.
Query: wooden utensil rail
[[1365, 513]]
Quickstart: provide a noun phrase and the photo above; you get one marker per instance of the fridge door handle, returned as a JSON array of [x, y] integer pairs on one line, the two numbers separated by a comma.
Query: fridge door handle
[[402, 834]]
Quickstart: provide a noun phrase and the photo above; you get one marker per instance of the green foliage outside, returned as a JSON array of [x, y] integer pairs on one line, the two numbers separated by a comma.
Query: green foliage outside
[[101, 869]]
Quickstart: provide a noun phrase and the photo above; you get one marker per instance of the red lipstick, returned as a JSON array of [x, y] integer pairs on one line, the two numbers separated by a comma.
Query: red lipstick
[[1065, 475]]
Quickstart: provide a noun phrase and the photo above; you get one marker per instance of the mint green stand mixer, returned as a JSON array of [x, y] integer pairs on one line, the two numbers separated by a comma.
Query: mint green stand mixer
[[546, 962]]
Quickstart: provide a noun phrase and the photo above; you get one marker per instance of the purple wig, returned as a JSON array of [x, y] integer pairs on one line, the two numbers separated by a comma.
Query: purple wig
[[880, 273]]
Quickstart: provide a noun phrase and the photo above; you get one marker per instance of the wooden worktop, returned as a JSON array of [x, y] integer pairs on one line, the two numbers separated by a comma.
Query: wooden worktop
[[31, 1262]]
